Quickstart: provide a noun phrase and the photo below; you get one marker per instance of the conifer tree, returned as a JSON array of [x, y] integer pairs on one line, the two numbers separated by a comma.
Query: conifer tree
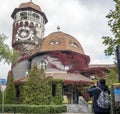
[[0, 97], [36, 90], [10, 92]]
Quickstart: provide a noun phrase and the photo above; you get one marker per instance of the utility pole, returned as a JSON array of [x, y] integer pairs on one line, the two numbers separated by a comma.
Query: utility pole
[[3, 87], [118, 60], [2, 101]]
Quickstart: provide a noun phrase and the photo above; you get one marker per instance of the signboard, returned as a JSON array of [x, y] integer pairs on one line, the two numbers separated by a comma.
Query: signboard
[[116, 90], [3, 84], [3, 81], [117, 95]]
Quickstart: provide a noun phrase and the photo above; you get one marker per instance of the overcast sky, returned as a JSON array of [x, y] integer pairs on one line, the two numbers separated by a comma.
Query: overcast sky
[[83, 19]]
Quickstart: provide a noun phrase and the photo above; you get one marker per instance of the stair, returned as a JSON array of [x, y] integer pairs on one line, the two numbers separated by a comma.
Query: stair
[[77, 108]]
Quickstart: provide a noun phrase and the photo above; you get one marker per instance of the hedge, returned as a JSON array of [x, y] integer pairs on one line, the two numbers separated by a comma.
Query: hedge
[[41, 109]]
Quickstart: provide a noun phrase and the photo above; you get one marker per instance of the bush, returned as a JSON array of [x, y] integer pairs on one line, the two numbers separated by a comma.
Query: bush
[[41, 109]]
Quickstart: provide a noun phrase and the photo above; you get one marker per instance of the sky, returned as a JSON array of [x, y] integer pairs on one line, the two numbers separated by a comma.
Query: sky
[[83, 19]]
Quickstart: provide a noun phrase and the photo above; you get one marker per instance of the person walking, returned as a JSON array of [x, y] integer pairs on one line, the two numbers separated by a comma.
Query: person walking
[[95, 91]]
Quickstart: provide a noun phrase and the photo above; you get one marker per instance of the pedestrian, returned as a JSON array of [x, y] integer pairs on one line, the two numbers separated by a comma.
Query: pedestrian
[[94, 92]]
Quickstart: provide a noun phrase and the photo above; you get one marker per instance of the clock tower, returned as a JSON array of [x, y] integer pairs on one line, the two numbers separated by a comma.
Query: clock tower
[[28, 27]]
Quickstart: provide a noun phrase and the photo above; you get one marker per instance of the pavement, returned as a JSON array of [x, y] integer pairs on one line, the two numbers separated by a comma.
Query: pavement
[[76, 113], [57, 113]]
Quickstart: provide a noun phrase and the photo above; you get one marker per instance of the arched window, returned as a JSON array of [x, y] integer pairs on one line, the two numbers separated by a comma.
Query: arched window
[[74, 44], [42, 63], [23, 15], [26, 23], [65, 68], [54, 42]]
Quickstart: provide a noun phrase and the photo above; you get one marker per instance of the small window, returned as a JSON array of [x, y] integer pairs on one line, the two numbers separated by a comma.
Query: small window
[[65, 68], [31, 24], [74, 44], [42, 63], [26, 23], [35, 16], [54, 42], [36, 25], [23, 15]]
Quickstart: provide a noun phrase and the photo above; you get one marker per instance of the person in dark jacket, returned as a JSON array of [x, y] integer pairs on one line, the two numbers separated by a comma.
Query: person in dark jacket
[[95, 91]]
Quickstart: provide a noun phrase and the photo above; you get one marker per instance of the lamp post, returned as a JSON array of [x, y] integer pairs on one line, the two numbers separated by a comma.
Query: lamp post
[[118, 60], [3, 86]]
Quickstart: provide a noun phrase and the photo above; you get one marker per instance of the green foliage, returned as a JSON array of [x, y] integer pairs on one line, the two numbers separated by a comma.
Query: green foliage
[[10, 92], [7, 54], [75, 61], [58, 97], [33, 109], [0, 97], [37, 90], [112, 76], [114, 24]]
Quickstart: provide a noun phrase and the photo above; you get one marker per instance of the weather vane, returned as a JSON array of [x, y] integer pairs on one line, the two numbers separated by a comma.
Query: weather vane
[[58, 28]]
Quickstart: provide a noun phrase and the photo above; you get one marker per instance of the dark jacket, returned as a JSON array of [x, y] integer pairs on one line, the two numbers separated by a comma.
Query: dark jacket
[[94, 91]]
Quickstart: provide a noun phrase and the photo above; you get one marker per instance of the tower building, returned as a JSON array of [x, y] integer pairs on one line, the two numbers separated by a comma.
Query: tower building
[[28, 27]]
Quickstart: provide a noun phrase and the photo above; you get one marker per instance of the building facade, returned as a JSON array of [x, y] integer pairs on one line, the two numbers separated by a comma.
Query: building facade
[[61, 55]]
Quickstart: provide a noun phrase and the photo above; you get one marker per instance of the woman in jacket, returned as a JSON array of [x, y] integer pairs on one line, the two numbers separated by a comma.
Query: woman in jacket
[[95, 91]]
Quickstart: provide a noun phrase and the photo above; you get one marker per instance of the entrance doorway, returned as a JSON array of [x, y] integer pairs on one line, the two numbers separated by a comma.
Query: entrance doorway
[[75, 96]]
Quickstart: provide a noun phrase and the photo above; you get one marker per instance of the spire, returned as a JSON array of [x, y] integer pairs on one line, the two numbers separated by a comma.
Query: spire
[[58, 28], [30, 0]]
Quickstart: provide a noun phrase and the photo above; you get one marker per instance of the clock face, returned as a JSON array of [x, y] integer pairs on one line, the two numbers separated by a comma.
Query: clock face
[[23, 33]]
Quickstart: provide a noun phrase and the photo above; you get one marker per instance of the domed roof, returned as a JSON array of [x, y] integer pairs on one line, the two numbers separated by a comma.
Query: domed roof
[[30, 4], [61, 41]]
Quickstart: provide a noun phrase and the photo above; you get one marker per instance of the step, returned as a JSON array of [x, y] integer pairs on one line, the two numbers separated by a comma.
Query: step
[[77, 108]]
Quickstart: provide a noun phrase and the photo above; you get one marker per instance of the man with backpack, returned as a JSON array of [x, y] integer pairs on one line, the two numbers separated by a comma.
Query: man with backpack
[[101, 98]]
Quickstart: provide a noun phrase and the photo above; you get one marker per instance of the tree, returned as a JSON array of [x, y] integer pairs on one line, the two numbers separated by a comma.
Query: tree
[[36, 89], [0, 97], [114, 24], [7, 54], [112, 76], [10, 92]]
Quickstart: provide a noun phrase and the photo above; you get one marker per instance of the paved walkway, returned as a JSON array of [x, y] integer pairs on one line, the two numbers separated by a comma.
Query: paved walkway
[[76, 113], [59, 113]]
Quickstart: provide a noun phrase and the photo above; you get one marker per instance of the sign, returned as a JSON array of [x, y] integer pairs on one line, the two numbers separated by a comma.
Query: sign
[[3, 81], [116, 90], [3, 84], [117, 95]]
